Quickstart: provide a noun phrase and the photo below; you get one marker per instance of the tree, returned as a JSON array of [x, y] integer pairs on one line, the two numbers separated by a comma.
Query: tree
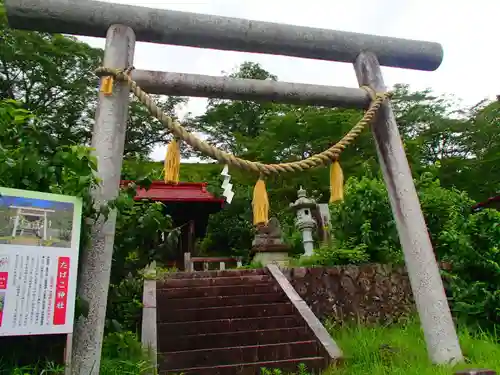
[[227, 123], [52, 75], [483, 169], [230, 231], [29, 160], [144, 132], [475, 269], [439, 137], [275, 133], [468, 242]]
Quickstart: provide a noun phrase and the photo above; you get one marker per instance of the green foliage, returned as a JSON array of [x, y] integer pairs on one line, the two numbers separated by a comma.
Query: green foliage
[[140, 229], [475, 273], [122, 354], [363, 226], [252, 266], [365, 217], [231, 231], [48, 94], [144, 235], [401, 349], [293, 238], [38, 369], [364, 221], [481, 178], [52, 75], [228, 124], [301, 370], [122, 346], [124, 309], [144, 132], [31, 160], [334, 255], [110, 366], [444, 210], [452, 144]]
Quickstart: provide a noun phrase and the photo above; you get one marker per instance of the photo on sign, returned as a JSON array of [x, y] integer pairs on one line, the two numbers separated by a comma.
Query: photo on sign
[[4, 263], [2, 301], [35, 222]]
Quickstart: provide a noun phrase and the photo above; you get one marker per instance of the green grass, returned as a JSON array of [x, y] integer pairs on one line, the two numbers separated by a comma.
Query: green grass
[[108, 367], [400, 350], [38, 369], [393, 350], [125, 367]]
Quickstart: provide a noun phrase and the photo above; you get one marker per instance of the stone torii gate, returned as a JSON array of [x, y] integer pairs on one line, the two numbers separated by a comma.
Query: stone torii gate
[[21, 223], [122, 25]]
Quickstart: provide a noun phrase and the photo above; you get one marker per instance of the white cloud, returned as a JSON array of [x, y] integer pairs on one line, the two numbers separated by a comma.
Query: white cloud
[[467, 30]]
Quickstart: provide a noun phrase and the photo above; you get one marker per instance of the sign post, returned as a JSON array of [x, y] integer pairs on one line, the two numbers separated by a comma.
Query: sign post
[[39, 245]]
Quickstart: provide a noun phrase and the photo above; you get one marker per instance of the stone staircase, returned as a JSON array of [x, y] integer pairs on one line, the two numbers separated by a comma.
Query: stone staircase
[[234, 322]]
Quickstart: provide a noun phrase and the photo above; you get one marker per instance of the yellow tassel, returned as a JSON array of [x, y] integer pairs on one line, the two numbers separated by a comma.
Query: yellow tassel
[[172, 163], [260, 203], [336, 183], [107, 86]]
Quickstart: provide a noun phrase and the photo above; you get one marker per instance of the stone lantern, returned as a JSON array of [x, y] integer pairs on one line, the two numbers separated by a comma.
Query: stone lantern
[[304, 221]]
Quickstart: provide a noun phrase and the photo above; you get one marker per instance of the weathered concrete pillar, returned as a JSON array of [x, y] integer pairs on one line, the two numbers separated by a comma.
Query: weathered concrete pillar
[[149, 333], [16, 222], [427, 286], [108, 140]]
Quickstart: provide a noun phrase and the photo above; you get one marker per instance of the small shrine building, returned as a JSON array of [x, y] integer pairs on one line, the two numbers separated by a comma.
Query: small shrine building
[[188, 203]]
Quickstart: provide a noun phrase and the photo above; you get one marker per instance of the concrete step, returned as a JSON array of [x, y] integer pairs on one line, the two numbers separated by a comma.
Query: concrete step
[[238, 354], [212, 291], [211, 274], [225, 312], [231, 322], [196, 282], [216, 301], [230, 339], [313, 364], [229, 325]]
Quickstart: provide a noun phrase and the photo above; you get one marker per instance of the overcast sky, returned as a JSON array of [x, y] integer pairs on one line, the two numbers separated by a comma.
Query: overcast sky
[[468, 31]]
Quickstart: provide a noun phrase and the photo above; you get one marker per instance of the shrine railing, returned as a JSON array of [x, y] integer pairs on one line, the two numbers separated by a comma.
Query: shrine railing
[[189, 262]]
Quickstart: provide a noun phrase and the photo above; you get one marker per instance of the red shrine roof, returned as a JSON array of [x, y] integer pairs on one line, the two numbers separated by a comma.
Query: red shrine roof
[[182, 192], [493, 202]]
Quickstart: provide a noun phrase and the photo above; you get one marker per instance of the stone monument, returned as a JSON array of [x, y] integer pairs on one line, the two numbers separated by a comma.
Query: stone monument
[[268, 245]]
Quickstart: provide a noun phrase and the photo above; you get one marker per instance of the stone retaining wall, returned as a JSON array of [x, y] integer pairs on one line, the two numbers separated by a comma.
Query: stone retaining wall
[[369, 294]]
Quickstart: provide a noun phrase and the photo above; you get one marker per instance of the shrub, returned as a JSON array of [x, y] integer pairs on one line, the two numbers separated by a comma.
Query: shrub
[[364, 220], [332, 255], [475, 274], [122, 346], [124, 310], [365, 217], [230, 231], [363, 224]]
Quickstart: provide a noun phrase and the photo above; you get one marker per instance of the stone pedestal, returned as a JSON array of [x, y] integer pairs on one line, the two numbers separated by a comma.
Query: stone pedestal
[[272, 255], [268, 246]]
